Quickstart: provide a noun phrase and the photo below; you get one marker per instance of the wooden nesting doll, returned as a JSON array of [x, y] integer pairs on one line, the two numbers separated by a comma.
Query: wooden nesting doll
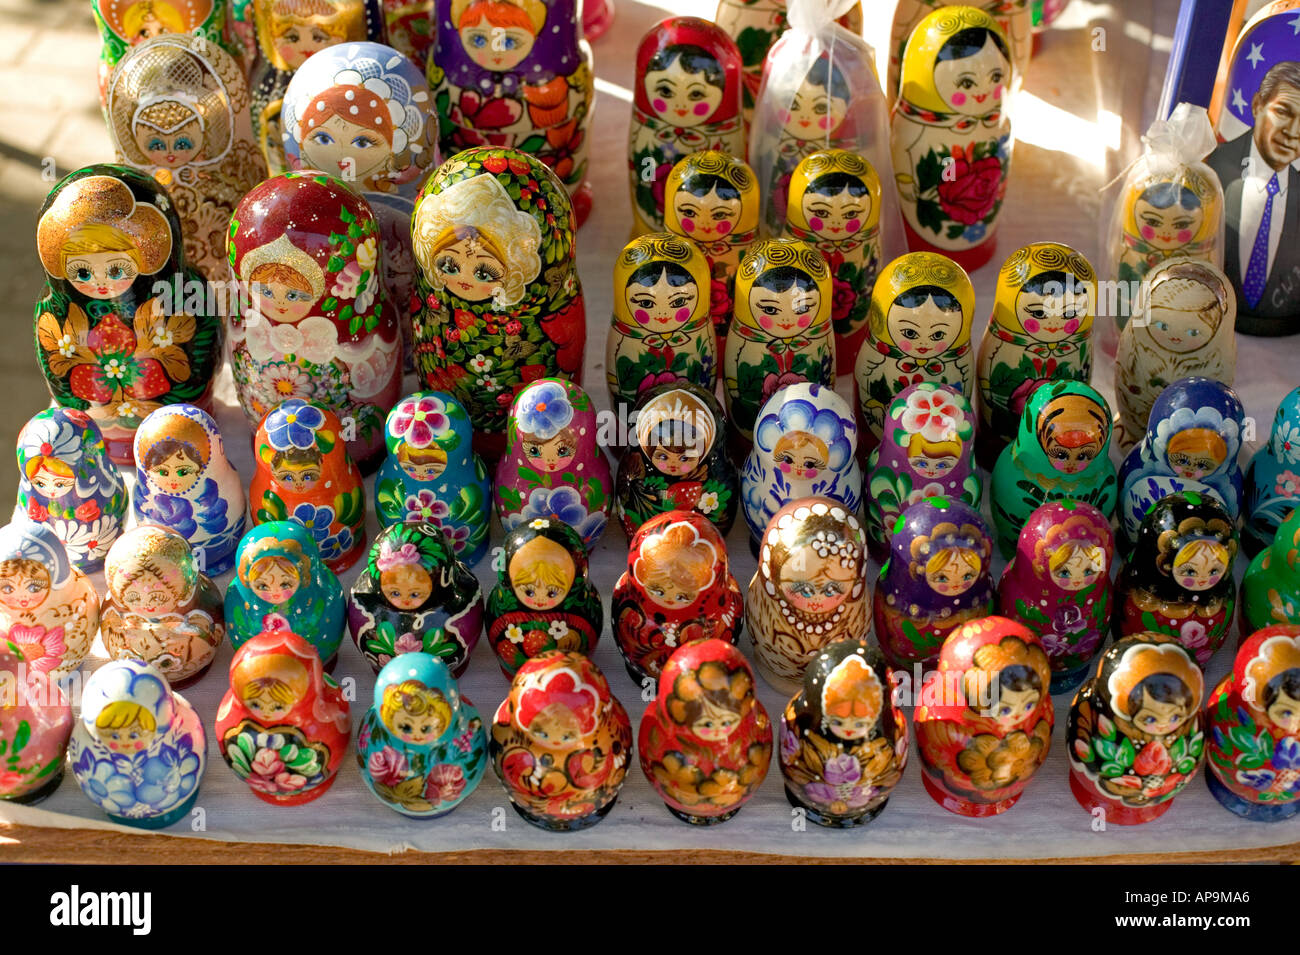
[[1271, 488], [1254, 720], [553, 466], [927, 451], [1136, 733], [184, 481], [597, 15], [705, 741], [502, 303], [283, 725], [951, 138], [122, 326], [544, 599], [781, 333], [1270, 588], [304, 474], [678, 587], [686, 98], [937, 578], [919, 329], [409, 26], [35, 724], [1062, 451], [1040, 331], [679, 462], [561, 743], [1014, 17], [178, 111], [421, 746], [1058, 585], [139, 750], [67, 483]]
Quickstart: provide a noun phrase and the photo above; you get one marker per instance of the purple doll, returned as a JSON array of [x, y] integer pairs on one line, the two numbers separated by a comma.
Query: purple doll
[[35, 724]]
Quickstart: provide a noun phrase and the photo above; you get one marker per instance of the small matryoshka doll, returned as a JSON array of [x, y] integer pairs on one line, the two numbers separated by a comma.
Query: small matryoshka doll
[[35, 724], [1136, 732], [937, 578], [1061, 451], [185, 481], [984, 723], [951, 136], [415, 596], [1058, 585], [283, 725], [118, 330], [1015, 17], [1271, 488], [1040, 330], [561, 742], [304, 474], [553, 466], [678, 587], [927, 451], [1178, 579], [421, 746], [1270, 588], [543, 599], [139, 749], [67, 483]]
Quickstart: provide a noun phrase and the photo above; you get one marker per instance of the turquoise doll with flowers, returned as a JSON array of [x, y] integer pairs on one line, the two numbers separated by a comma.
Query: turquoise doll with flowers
[[1272, 484]]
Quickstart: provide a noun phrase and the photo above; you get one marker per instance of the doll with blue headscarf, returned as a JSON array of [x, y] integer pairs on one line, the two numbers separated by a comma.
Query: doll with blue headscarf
[[1272, 483], [49, 610]]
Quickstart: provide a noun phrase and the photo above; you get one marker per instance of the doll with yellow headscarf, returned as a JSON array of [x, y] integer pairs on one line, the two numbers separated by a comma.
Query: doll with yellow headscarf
[[1015, 17]]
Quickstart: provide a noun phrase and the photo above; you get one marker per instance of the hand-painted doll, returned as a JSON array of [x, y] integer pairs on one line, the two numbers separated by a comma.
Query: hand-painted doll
[[432, 474], [805, 445], [304, 474], [409, 25], [421, 746], [1136, 732], [1271, 488], [49, 610], [283, 726], [1040, 331], [139, 750], [687, 98], [950, 134], [705, 741], [67, 483], [937, 578], [597, 15], [119, 330], [1270, 588], [1062, 451], [1013, 16], [680, 460], [35, 724], [927, 451], [1254, 720], [561, 743], [185, 481], [919, 329], [1058, 586], [415, 596], [281, 583], [553, 465], [678, 587], [544, 599]]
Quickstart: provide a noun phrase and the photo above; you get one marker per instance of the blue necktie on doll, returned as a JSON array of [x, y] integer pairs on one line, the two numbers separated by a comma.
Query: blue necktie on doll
[[1257, 270]]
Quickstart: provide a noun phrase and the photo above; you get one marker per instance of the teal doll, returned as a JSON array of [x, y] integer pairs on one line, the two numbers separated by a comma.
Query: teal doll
[[281, 583], [432, 474], [1061, 452], [1270, 589], [1272, 484]]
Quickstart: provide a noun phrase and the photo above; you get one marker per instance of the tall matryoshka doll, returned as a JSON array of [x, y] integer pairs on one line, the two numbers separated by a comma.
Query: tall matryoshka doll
[[1015, 17], [1271, 488]]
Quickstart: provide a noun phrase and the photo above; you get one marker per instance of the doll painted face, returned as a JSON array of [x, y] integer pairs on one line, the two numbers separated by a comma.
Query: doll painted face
[[1048, 311], [800, 456], [422, 464], [972, 80], [340, 144], [1167, 215], [125, 727], [281, 294], [716, 722], [174, 474], [541, 573], [711, 216], [670, 591], [952, 571], [274, 580], [675, 461], [837, 216], [51, 484], [497, 36], [1071, 433], [1018, 694], [784, 305], [1159, 717], [173, 149], [935, 460], [1283, 708], [101, 275], [296, 471], [469, 270], [664, 303], [1075, 566], [556, 726], [814, 584], [415, 713], [684, 84], [1196, 452], [1179, 331], [24, 585], [297, 41], [149, 19], [1200, 565], [406, 586], [850, 727], [553, 454], [148, 594], [924, 321], [269, 698], [815, 111]]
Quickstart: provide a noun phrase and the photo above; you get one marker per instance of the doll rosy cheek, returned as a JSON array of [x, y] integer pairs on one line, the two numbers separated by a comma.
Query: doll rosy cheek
[[824, 122], [997, 92], [688, 225], [765, 321], [906, 346], [1184, 235], [682, 314], [723, 228], [804, 321], [784, 467], [816, 224], [785, 116], [1031, 325], [853, 225], [641, 315], [958, 99], [701, 109], [1147, 232], [1071, 326], [659, 105]]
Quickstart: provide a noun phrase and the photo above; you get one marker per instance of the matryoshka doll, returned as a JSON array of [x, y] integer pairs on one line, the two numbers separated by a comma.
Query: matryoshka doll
[[415, 596], [687, 98], [1178, 579], [118, 332], [678, 587], [1270, 588], [1254, 720], [1015, 17], [409, 26], [543, 599], [1058, 585], [35, 724], [185, 481], [1271, 488], [283, 725], [1040, 331], [985, 720], [67, 483], [843, 739], [937, 578], [1136, 732], [950, 134], [139, 750], [304, 474], [705, 741], [553, 466], [561, 742], [421, 747]]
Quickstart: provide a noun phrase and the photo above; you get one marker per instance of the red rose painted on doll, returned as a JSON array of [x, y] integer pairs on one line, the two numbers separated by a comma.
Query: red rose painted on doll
[[842, 299], [774, 383], [568, 329], [1153, 760], [973, 190], [87, 511], [719, 300], [445, 783], [37, 512]]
